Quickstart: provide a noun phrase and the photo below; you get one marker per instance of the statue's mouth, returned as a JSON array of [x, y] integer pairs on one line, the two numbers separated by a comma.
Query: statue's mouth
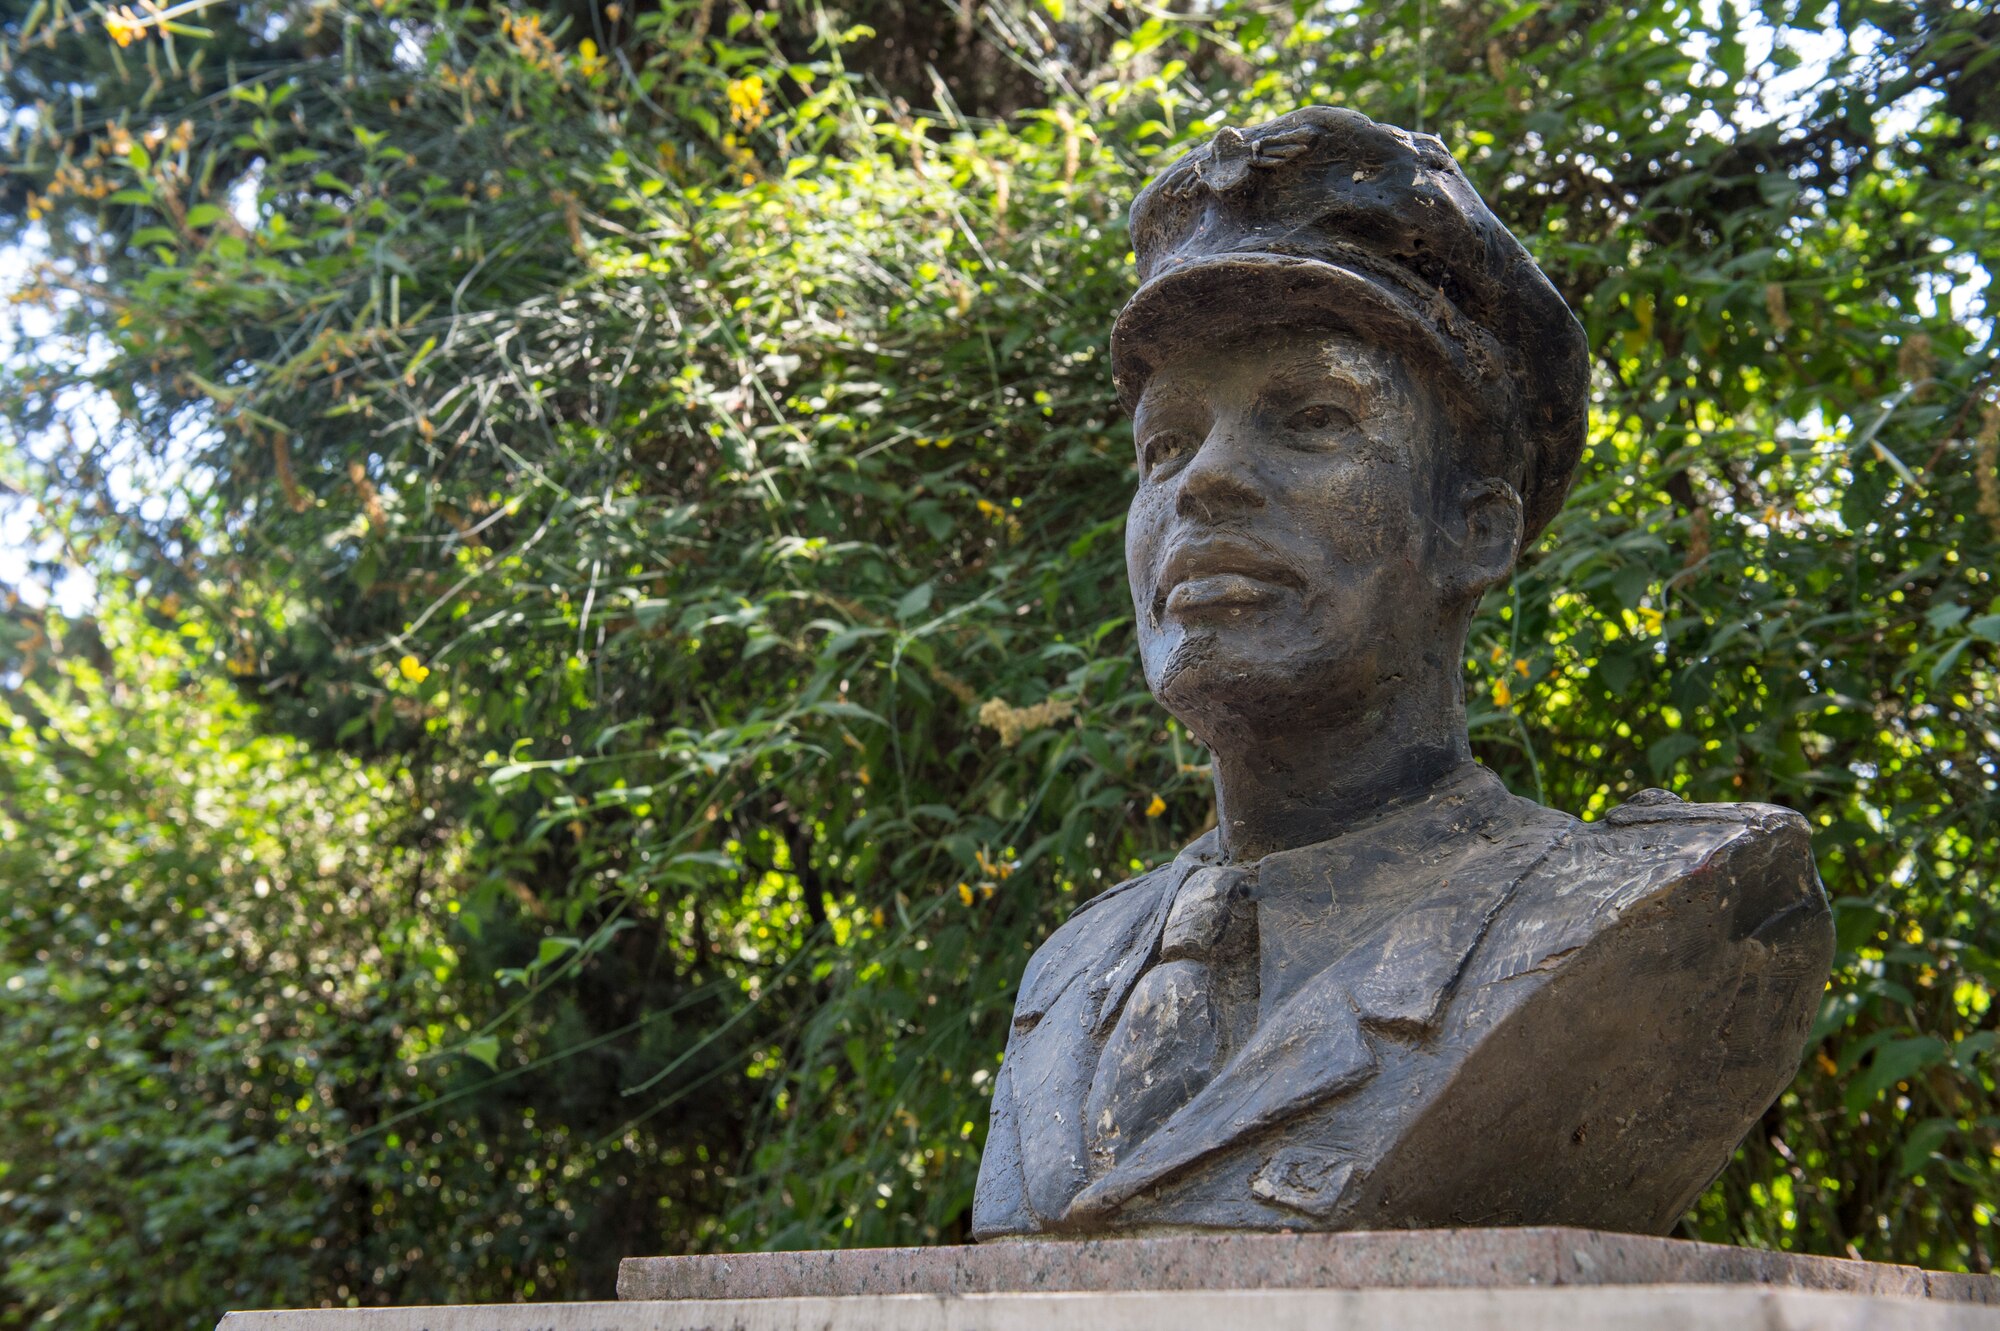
[[1221, 575]]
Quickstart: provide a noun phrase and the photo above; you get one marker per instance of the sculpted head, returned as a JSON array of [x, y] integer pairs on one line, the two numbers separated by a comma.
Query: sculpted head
[[1354, 400], [1301, 536]]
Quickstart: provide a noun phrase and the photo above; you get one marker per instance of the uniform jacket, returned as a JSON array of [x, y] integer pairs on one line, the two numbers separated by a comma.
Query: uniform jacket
[[1469, 1010]]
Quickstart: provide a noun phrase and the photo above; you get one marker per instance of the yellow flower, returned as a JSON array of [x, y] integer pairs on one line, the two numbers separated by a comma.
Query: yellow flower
[[523, 29], [965, 894], [1521, 668], [1156, 808], [124, 25], [1502, 695], [1499, 654], [589, 62], [877, 918], [747, 106], [413, 670], [1653, 619]]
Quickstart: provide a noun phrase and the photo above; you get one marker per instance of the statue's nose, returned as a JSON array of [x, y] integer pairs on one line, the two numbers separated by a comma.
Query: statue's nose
[[1220, 478]]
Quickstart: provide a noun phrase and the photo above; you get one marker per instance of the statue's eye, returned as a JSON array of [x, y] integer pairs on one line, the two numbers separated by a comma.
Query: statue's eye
[[1165, 448], [1319, 416]]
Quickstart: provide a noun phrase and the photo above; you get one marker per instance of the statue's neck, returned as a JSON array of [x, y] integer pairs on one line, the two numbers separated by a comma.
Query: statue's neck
[[1279, 791]]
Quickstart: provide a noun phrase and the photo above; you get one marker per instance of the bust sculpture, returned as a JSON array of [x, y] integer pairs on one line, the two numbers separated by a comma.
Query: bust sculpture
[[1383, 992]]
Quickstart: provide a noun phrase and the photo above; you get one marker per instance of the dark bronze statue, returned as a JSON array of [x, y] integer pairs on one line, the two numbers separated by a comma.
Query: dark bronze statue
[[1383, 992]]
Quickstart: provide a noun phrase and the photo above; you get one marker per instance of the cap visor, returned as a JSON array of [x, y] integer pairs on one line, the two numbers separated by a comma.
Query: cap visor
[[1206, 302]]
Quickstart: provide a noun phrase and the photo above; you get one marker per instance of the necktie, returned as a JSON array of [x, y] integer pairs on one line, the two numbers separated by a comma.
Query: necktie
[[1183, 1018]]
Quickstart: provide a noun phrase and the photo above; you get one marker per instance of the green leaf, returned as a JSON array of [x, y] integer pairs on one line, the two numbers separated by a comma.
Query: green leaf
[[1895, 1061], [483, 1049], [1922, 1143], [847, 711], [553, 950], [914, 602], [1514, 18], [417, 361], [1663, 753]]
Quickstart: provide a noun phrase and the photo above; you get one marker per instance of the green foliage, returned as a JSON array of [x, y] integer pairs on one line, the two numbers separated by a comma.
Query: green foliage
[[242, 1065], [678, 478], [199, 950]]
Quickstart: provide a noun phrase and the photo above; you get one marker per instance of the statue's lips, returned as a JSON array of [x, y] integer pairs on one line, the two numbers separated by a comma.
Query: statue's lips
[[1222, 574], [1219, 591]]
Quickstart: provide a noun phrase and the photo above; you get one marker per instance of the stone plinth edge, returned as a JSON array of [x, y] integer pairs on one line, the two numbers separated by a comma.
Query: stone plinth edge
[[1382, 1259], [1651, 1308]]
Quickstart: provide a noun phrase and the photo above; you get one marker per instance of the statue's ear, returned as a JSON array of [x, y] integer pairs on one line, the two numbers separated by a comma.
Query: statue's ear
[[1492, 535]]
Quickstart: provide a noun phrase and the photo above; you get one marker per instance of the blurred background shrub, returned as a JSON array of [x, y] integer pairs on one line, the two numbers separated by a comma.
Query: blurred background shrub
[[566, 629]]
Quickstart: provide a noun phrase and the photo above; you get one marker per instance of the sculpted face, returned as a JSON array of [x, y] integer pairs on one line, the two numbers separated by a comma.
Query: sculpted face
[[1289, 554]]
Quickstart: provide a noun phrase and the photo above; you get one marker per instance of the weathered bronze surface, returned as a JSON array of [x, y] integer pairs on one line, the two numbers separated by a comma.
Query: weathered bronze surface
[[1382, 992]]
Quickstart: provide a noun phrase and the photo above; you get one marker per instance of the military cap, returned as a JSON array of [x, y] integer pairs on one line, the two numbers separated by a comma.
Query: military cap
[[1325, 218]]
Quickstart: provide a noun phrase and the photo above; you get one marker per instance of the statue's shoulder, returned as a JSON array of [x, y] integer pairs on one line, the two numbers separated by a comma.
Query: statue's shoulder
[[1661, 809], [1101, 929], [1642, 997], [1657, 850], [1754, 861], [1706, 873]]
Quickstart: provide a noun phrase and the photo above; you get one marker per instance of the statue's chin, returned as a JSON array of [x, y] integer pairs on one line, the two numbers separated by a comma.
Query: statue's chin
[[1226, 701], [1233, 689]]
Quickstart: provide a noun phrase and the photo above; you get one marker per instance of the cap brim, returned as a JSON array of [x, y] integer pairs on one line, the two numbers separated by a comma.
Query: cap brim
[[1207, 301]]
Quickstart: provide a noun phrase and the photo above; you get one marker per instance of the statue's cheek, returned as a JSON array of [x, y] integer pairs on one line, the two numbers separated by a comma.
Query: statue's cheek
[[1146, 521], [1364, 509]]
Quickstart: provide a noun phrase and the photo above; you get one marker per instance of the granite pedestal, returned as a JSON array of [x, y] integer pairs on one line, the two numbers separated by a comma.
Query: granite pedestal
[[1466, 1280]]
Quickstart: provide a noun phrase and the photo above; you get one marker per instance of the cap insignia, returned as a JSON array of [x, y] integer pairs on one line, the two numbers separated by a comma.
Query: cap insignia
[[1231, 155]]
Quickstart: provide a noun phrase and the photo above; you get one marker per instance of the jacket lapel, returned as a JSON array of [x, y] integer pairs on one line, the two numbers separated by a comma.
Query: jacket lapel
[[1061, 1024]]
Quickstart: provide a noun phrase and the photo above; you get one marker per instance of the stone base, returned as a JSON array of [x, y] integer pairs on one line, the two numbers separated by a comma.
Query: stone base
[[1464, 1280], [1378, 1259], [1569, 1308]]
